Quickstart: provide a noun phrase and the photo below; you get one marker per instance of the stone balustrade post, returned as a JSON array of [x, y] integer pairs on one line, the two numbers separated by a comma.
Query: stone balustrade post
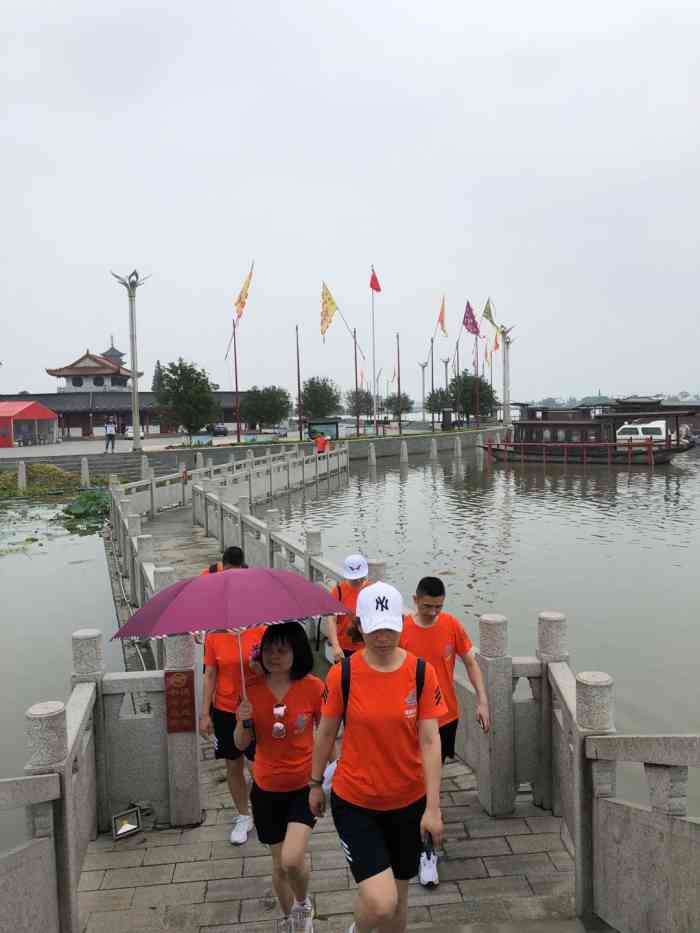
[[89, 666], [153, 493], [668, 788], [496, 771], [144, 555], [133, 524], [551, 647], [376, 570], [144, 466], [371, 455], [210, 467], [433, 449], [84, 473], [403, 456], [207, 487], [243, 506], [182, 470], [47, 736], [314, 548], [272, 520], [198, 460], [458, 448], [22, 476], [162, 578], [228, 496], [183, 747]]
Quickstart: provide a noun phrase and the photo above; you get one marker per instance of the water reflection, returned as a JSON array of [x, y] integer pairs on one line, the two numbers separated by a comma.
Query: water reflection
[[612, 548]]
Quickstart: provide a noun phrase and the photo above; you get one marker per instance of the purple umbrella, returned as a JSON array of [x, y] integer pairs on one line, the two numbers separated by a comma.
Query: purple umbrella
[[232, 601]]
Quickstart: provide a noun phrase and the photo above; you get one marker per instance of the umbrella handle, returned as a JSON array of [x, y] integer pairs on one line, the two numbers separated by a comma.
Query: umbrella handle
[[247, 723]]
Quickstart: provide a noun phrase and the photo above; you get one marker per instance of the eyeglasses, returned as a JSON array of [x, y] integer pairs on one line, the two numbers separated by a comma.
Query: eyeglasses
[[279, 730]]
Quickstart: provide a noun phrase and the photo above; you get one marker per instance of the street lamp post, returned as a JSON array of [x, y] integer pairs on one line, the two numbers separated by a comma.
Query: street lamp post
[[423, 367], [131, 283]]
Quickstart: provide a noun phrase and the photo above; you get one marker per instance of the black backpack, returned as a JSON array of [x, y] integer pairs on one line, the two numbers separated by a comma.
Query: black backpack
[[345, 681]]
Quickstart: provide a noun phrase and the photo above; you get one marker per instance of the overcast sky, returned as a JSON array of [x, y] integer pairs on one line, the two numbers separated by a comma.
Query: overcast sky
[[543, 153]]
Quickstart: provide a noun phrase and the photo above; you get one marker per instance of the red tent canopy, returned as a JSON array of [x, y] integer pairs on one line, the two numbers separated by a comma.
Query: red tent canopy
[[26, 411]]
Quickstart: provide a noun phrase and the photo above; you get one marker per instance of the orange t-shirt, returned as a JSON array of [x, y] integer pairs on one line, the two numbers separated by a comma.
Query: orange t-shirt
[[219, 569], [348, 597], [285, 764], [380, 766], [221, 652], [439, 644]]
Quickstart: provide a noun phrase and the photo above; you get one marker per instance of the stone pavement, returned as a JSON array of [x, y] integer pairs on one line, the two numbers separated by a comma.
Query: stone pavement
[[495, 871]]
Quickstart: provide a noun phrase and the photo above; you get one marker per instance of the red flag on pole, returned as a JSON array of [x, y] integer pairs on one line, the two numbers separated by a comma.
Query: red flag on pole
[[374, 282], [469, 321]]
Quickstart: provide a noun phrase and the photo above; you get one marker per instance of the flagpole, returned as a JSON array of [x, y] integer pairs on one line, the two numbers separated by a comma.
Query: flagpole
[[432, 382], [357, 389], [235, 376], [398, 376], [477, 414], [374, 368], [459, 377], [300, 409]]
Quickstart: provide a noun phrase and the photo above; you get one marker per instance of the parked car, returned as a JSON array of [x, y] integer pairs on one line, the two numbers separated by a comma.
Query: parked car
[[129, 433], [639, 434], [218, 430]]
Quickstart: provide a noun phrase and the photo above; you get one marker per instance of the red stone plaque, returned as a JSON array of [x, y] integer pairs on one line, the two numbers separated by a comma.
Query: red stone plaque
[[179, 701]]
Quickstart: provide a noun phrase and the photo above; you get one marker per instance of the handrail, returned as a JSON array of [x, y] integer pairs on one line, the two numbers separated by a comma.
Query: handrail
[[24, 791], [674, 750]]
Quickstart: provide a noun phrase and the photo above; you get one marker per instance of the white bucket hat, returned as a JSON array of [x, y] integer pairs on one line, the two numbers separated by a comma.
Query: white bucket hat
[[355, 567], [380, 606]]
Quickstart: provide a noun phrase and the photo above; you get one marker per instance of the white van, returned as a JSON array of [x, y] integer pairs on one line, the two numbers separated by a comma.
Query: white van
[[639, 434]]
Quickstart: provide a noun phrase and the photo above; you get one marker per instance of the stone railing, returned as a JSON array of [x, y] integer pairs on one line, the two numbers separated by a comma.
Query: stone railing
[[635, 867]]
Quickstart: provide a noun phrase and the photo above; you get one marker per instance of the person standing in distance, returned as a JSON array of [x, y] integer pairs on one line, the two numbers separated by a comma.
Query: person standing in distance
[[382, 805], [338, 627], [280, 713], [440, 638], [110, 434]]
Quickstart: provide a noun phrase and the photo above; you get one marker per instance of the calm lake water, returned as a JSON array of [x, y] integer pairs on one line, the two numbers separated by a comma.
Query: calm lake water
[[51, 583], [615, 550]]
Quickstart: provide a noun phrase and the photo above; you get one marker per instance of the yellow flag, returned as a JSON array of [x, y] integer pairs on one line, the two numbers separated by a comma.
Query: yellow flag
[[328, 308], [240, 302], [488, 313], [441, 317]]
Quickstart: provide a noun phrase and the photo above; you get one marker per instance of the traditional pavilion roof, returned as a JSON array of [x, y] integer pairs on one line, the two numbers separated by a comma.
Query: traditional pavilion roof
[[93, 364], [116, 356]]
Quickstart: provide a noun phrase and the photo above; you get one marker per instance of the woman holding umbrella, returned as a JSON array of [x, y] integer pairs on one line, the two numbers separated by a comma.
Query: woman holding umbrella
[[279, 713]]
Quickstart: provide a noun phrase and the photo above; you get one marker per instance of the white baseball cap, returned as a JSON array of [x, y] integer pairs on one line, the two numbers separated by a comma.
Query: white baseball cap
[[355, 567], [380, 606]]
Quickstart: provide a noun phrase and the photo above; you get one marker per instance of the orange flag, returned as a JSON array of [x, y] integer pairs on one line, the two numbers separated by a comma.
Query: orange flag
[[441, 317], [496, 344]]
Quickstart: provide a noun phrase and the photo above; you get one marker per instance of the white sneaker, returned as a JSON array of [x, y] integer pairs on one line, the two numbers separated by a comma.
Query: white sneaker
[[242, 825], [428, 873], [303, 917]]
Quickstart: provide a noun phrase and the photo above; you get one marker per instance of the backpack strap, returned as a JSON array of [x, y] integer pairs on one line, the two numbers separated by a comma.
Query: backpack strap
[[345, 684], [213, 568], [420, 678]]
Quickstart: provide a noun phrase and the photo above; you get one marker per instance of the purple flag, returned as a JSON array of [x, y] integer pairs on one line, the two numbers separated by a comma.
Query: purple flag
[[469, 320]]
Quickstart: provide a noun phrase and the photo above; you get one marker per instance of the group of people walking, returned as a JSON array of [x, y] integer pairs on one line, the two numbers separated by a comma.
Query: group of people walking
[[389, 701]]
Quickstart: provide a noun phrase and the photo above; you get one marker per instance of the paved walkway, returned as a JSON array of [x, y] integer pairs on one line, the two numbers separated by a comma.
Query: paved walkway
[[194, 881]]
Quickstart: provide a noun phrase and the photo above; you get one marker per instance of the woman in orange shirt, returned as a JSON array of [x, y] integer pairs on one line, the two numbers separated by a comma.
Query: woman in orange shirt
[[339, 627], [280, 712], [383, 802], [221, 693]]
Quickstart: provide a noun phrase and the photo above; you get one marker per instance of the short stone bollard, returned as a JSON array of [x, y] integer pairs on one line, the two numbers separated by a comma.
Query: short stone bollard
[[433, 449], [403, 456], [47, 734], [84, 473], [198, 460], [21, 476], [88, 656], [551, 637], [372, 455], [458, 448], [594, 701]]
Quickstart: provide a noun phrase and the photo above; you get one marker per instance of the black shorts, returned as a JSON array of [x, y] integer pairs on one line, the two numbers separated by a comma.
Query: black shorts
[[448, 734], [374, 840], [273, 811], [224, 746]]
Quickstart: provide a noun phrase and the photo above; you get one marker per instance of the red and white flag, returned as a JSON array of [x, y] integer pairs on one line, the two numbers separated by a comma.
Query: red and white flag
[[469, 321], [374, 282]]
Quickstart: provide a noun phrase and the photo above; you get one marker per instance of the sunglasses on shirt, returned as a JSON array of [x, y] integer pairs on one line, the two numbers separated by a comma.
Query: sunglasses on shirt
[[279, 730]]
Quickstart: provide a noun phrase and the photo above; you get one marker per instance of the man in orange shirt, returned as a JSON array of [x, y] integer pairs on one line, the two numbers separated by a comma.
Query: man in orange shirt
[[339, 627], [440, 638], [231, 559], [386, 788]]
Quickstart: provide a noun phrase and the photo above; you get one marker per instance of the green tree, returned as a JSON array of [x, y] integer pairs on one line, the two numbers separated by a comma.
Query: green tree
[[265, 407], [391, 403], [358, 403], [157, 383], [320, 397], [437, 400], [186, 396], [463, 394]]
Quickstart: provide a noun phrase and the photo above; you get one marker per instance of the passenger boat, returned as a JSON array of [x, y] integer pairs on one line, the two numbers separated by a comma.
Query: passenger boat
[[587, 435]]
